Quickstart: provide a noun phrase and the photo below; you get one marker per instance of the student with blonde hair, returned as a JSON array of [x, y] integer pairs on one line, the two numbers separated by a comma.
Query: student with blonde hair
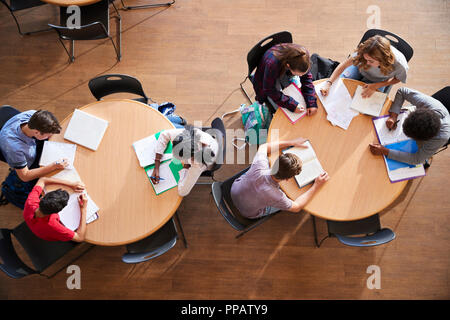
[[375, 62]]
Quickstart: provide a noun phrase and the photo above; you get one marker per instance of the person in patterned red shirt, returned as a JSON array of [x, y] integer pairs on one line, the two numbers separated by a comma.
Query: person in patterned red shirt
[[274, 72], [41, 215]]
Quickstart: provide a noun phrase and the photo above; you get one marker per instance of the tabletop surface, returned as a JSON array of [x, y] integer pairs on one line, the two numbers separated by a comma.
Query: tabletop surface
[[66, 3], [129, 208], [359, 185]]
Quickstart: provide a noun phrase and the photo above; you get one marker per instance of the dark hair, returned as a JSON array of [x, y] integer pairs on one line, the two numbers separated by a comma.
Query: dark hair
[[422, 124], [286, 166], [45, 122], [293, 54], [54, 201], [186, 146]]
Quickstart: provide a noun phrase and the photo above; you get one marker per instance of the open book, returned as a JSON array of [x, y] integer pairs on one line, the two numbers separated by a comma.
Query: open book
[[86, 129], [53, 151], [372, 105], [294, 92], [397, 140], [311, 167], [70, 215], [146, 149], [169, 174]]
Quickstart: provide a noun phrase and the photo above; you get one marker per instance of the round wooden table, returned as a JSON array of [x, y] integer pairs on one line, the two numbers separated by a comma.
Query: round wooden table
[[359, 185], [67, 3], [129, 208]]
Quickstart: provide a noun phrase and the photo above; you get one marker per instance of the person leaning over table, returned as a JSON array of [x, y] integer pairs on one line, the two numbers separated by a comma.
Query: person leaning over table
[[428, 125], [20, 148], [275, 71], [257, 193], [41, 215], [375, 62], [196, 149]]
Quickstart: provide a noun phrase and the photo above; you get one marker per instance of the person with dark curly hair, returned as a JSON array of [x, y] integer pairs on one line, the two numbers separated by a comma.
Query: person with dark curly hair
[[428, 125]]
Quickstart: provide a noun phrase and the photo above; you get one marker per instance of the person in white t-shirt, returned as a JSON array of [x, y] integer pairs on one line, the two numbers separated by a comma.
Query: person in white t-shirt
[[374, 62]]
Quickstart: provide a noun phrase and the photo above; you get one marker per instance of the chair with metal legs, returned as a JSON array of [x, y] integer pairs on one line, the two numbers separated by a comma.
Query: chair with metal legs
[[125, 7]]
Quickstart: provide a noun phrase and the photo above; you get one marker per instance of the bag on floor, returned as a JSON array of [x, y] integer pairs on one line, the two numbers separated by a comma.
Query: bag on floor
[[14, 190]]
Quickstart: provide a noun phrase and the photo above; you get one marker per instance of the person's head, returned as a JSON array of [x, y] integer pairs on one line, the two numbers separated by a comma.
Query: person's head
[[54, 201], [286, 166], [43, 124], [294, 58], [187, 145], [422, 124], [375, 52]]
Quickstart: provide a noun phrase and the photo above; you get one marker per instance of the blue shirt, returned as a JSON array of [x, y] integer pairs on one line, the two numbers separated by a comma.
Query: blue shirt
[[18, 149]]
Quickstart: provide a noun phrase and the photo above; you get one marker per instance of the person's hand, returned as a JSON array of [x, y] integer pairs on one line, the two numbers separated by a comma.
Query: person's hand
[[186, 166], [82, 200], [299, 109], [78, 186], [311, 111], [378, 150], [325, 89], [320, 180], [368, 90], [60, 164], [155, 176], [391, 122], [299, 142]]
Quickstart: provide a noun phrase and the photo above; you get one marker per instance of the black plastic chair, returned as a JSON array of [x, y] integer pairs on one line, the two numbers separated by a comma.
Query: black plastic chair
[[397, 42], [94, 26], [345, 231], [41, 253], [154, 245], [257, 52], [222, 198], [147, 5], [17, 5], [217, 131], [443, 96], [107, 84], [6, 113]]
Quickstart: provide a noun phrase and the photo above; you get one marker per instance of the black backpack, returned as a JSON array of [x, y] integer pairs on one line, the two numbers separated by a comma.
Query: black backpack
[[14, 190], [322, 67]]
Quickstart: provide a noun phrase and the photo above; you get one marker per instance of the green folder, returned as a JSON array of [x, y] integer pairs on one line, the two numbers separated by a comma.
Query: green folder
[[170, 182]]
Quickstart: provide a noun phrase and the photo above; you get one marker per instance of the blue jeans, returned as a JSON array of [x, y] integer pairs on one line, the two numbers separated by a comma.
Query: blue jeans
[[175, 119], [352, 72]]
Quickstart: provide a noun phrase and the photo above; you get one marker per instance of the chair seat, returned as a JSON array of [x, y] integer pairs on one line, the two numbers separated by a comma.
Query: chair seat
[[383, 236], [17, 5]]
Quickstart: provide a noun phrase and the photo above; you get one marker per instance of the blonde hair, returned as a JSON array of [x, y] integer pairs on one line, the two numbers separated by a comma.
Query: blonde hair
[[379, 48]]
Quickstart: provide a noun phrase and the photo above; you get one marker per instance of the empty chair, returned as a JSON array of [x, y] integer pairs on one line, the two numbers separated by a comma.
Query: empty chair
[[42, 253], [222, 198], [256, 53], [107, 84], [217, 131], [154, 245], [18, 5], [359, 233], [147, 5], [6, 113], [94, 26]]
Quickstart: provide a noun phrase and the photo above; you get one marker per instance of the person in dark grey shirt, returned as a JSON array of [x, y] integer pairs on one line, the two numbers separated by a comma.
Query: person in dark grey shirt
[[428, 125]]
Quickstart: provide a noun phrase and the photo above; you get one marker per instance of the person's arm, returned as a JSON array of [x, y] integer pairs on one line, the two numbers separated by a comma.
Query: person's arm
[[309, 93], [163, 140], [370, 88], [335, 75], [304, 198], [77, 186], [26, 174], [275, 146], [188, 177], [80, 233], [425, 151]]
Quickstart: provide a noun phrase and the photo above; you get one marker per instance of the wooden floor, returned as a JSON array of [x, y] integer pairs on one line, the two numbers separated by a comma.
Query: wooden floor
[[194, 55]]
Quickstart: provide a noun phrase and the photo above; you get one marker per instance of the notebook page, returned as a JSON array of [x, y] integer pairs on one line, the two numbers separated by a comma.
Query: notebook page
[[70, 215], [305, 154], [371, 106], [293, 92], [387, 136], [310, 171], [146, 149], [54, 151], [169, 180]]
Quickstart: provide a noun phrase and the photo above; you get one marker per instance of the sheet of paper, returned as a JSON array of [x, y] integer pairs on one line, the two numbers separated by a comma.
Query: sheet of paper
[[145, 151], [68, 174], [86, 129], [305, 154], [54, 151], [293, 92], [371, 106], [169, 179], [337, 104], [386, 136], [70, 214]]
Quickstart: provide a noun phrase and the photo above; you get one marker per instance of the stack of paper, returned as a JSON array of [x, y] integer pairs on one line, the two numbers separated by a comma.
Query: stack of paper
[[145, 150], [337, 104], [372, 105], [294, 92], [71, 214], [86, 129], [53, 151]]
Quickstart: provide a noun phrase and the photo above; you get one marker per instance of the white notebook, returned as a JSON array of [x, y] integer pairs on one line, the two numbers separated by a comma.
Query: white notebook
[[86, 129], [53, 151], [371, 106], [70, 215], [146, 149], [294, 92], [311, 167]]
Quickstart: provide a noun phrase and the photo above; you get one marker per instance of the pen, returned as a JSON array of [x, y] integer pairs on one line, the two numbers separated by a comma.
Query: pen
[[394, 125], [157, 178]]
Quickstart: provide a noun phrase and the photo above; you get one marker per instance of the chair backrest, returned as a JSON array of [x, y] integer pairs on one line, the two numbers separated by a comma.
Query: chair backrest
[[115, 83], [153, 246], [42, 253], [221, 192], [380, 237], [6, 113], [400, 44], [16, 5], [217, 131], [93, 31], [256, 53], [10, 262], [443, 96]]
